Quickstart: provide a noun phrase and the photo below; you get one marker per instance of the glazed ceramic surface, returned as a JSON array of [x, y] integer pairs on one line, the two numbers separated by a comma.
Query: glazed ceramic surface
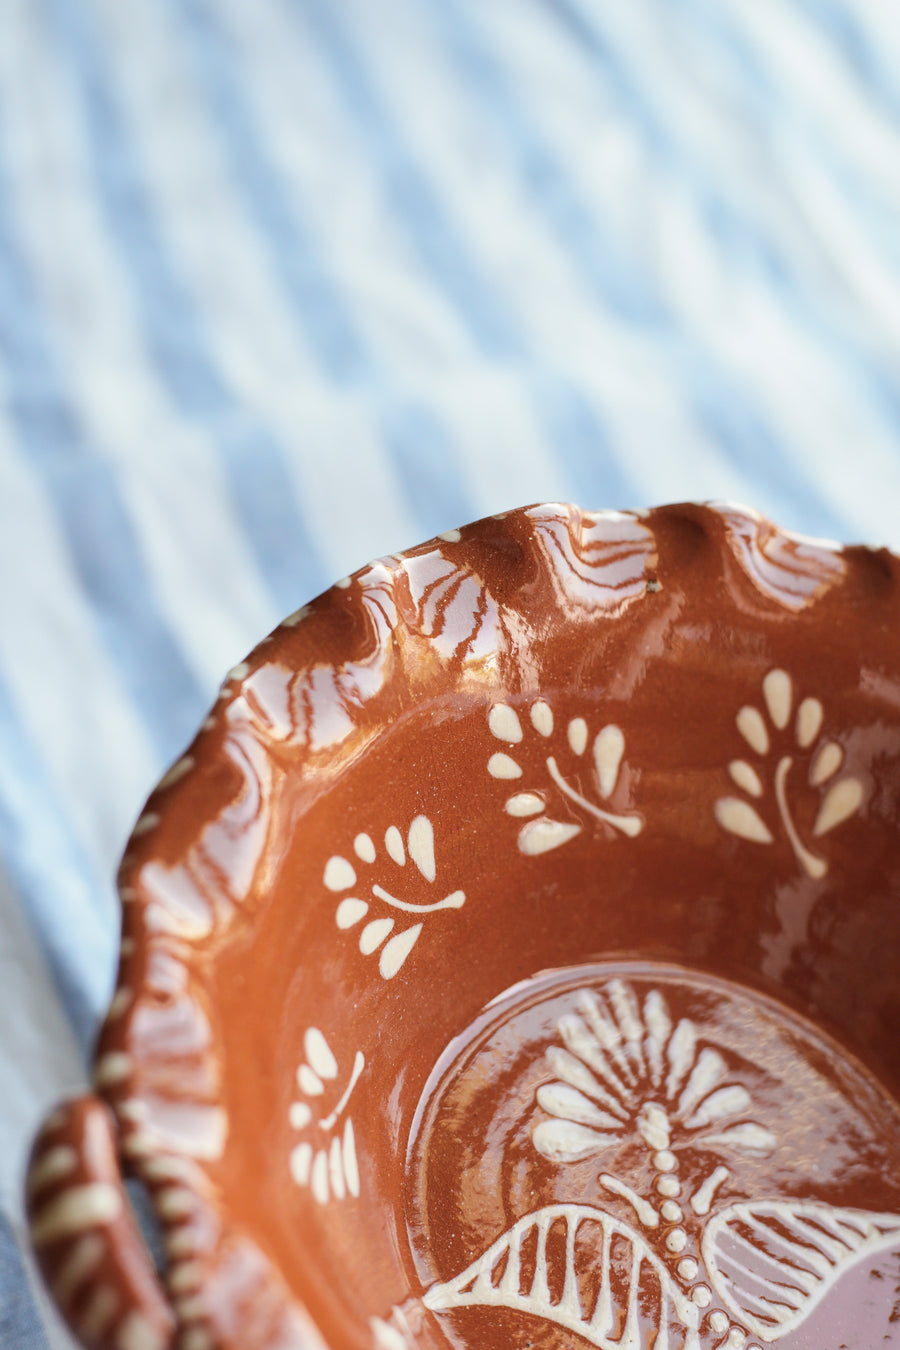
[[514, 961]]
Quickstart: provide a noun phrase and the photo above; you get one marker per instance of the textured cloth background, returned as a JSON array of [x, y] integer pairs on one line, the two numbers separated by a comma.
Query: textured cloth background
[[287, 284]]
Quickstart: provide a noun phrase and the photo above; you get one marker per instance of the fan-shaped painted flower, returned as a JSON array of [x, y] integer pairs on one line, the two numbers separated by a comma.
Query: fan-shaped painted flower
[[842, 798], [624, 1067]]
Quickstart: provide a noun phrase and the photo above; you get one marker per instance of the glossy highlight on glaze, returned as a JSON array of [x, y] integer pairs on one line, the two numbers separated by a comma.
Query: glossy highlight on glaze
[[662, 748]]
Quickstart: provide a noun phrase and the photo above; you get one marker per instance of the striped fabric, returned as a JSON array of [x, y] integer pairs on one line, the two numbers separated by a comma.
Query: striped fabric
[[287, 284]]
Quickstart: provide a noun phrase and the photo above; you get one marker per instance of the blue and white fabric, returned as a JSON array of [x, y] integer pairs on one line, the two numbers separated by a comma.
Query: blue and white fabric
[[288, 284]]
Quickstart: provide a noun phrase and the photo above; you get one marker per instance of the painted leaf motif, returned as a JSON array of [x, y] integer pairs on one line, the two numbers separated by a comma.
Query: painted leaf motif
[[841, 801], [577, 1074], [609, 747], [568, 1141], [540, 836], [740, 818], [826, 763], [772, 1262], [609, 1316], [748, 1137], [561, 1099], [397, 950], [421, 846]]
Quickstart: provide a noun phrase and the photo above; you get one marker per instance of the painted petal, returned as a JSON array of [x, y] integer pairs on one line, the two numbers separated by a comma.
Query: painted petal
[[421, 846], [563, 1141], [339, 874], [579, 1040], [753, 729], [386, 1337], [502, 766], [739, 817], [659, 1029], [778, 694], [809, 722], [374, 933], [680, 1054], [841, 801], [578, 734], [300, 1163], [609, 746], [350, 911], [540, 836], [749, 1138], [558, 1099], [578, 1075], [701, 1200], [309, 1082], [504, 723], [299, 1115], [319, 1054], [706, 1074], [393, 842], [336, 1170], [351, 1167], [825, 764], [364, 848], [542, 718], [319, 1181], [728, 1101], [745, 777], [607, 1031], [525, 804], [628, 1014], [397, 950]]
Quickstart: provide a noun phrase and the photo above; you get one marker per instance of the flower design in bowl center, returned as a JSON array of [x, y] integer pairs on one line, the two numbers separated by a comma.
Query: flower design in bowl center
[[643, 1156]]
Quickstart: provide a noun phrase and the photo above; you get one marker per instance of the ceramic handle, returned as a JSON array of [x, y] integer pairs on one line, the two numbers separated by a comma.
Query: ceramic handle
[[89, 1247]]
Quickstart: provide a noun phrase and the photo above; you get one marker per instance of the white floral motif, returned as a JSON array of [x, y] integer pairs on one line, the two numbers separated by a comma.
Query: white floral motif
[[797, 1252], [330, 1170], [341, 875], [842, 799], [541, 832], [709, 1275], [626, 1070]]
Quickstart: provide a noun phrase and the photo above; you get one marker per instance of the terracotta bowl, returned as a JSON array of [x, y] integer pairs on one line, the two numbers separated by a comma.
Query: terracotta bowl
[[514, 960]]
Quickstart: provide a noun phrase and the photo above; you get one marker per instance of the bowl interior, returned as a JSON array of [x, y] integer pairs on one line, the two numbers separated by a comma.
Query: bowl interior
[[514, 957]]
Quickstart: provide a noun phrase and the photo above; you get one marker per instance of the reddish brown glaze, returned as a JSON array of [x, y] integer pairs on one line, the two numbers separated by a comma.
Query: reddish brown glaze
[[85, 1236], [655, 755]]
